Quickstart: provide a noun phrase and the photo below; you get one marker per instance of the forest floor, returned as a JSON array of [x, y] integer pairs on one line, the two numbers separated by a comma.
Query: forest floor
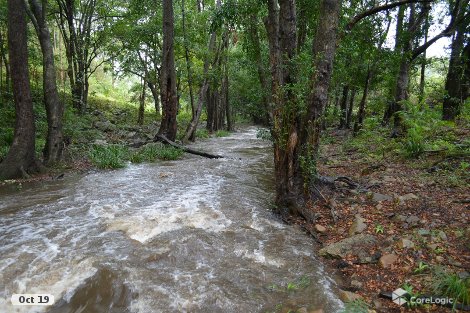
[[405, 224]]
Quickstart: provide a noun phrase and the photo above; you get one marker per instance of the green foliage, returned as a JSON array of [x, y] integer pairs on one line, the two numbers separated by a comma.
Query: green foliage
[[356, 306], [152, 152], [452, 286], [265, 134], [108, 157], [379, 229], [421, 268], [413, 144], [202, 133], [169, 153], [222, 133]]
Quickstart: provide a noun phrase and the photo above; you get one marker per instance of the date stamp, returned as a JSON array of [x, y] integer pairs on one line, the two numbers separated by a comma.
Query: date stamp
[[32, 299]]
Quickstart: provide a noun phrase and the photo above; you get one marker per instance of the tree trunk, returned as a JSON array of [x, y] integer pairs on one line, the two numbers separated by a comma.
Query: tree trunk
[[168, 125], [54, 107], [253, 30], [362, 105], [350, 108], [324, 49], [344, 107], [422, 78], [20, 158], [5, 62], [191, 130], [285, 130], [140, 119], [401, 94], [156, 99], [453, 99], [188, 61]]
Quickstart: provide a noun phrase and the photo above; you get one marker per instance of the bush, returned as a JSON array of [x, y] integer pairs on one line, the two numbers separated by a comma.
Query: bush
[[112, 156], [222, 133], [152, 152], [202, 133]]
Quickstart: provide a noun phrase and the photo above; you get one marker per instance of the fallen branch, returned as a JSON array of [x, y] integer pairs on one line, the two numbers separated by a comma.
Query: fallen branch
[[163, 139]]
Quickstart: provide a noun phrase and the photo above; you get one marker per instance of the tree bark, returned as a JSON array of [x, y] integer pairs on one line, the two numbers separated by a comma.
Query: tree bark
[[453, 99], [156, 98], [168, 125], [285, 123], [253, 31], [191, 129], [324, 49], [20, 158], [5, 61], [141, 116], [344, 107], [362, 105], [350, 108], [188, 61], [54, 107]]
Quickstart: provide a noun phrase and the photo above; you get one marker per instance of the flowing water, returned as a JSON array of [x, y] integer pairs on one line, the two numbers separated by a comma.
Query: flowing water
[[194, 235]]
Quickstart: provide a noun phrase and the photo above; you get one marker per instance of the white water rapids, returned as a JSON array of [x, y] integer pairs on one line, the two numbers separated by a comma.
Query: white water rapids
[[194, 235]]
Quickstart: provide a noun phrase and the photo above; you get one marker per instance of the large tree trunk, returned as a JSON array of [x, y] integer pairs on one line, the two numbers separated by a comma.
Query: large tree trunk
[[168, 126], [285, 128], [324, 49], [453, 99], [20, 158], [54, 107]]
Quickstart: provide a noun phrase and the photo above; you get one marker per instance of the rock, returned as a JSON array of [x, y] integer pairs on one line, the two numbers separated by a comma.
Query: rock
[[377, 304], [356, 284], [317, 311], [408, 196], [389, 179], [105, 126], [440, 259], [424, 232], [100, 142], [463, 275], [388, 260], [378, 197], [302, 310], [400, 218], [358, 226], [355, 245], [433, 246], [413, 220], [405, 243], [347, 296], [442, 235], [319, 228]]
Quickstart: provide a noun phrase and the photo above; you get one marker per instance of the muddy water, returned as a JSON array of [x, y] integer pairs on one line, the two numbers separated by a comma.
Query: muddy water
[[194, 235]]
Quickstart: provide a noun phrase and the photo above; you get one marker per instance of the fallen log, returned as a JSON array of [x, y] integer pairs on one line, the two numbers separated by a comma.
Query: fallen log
[[163, 139]]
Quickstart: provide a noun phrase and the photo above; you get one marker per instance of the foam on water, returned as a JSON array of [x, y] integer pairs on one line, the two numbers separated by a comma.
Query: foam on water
[[194, 235]]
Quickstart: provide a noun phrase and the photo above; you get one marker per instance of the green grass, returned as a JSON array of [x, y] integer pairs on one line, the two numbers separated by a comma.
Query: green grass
[[202, 133], [152, 152], [452, 286], [222, 133], [108, 157]]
